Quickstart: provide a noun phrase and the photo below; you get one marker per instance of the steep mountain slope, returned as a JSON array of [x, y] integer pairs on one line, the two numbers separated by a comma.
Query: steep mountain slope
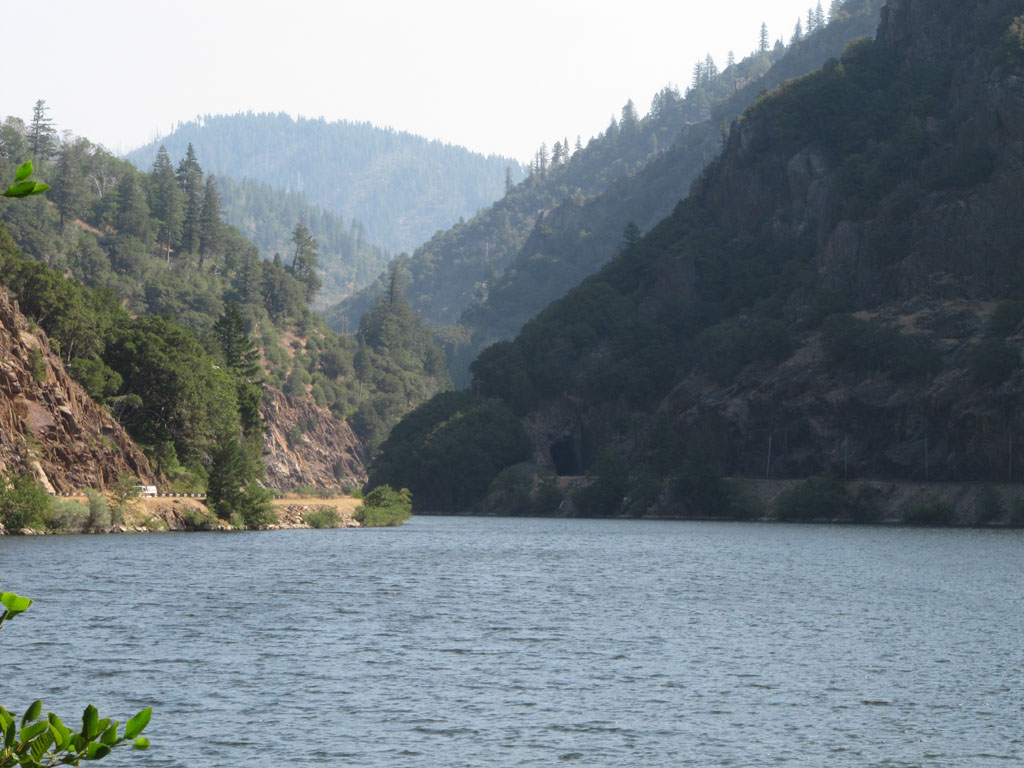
[[448, 272], [499, 269], [49, 427], [839, 292], [577, 237], [402, 187]]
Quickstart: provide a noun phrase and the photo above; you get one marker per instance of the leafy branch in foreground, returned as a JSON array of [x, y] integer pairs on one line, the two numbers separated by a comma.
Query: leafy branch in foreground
[[22, 186], [39, 742]]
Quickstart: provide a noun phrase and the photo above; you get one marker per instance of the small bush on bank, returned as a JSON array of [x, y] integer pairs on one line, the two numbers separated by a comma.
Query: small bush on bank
[[99, 517], [67, 516], [198, 519], [23, 503], [990, 506], [323, 518], [816, 498], [743, 505], [866, 506], [384, 506], [933, 513]]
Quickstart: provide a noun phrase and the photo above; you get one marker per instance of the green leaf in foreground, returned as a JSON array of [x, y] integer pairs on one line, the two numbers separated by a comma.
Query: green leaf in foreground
[[23, 172], [90, 722], [134, 726], [32, 712], [14, 604]]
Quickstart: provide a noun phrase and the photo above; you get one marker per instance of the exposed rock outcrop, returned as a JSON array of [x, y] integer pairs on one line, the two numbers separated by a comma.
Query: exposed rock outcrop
[[49, 426], [307, 445]]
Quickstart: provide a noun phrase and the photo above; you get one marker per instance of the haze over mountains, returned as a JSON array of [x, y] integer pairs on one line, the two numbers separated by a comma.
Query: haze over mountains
[[399, 187]]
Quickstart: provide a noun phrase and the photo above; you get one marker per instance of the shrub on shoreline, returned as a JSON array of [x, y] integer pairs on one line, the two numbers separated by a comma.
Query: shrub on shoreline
[[384, 506]]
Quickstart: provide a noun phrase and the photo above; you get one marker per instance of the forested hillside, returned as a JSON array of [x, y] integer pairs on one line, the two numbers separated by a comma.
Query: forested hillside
[[267, 217], [170, 318], [582, 204], [839, 293], [577, 237], [401, 187]]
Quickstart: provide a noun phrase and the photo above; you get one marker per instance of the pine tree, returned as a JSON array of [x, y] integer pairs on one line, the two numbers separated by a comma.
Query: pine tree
[[542, 158], [579, 143], [509, 184], [211, 228], [834, 9], [763, 44], [556, 154], [697, 79], [42, 135], [798, 32], [710, 69], [165, 202], [132, 217], [240, 353], [819, 16], [248, 283], [306, 261], [190, 182], [68, 191], [630, 236], [629, 119]]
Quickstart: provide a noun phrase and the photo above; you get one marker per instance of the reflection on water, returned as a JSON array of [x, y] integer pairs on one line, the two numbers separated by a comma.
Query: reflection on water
[[503, 642]]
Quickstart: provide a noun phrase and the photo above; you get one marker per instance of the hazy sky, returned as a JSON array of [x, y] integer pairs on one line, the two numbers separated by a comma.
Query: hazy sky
[[493, 75]]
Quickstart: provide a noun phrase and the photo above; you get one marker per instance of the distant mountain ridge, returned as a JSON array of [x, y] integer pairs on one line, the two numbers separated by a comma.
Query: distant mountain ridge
[[401, 187]]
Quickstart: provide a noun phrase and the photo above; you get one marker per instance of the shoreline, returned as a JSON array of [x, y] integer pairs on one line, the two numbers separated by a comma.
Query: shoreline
[[186, 513]]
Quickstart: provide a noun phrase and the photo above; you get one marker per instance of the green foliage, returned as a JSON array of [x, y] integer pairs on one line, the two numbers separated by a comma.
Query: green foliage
[[449, 449], [96, 378], [38, 742], [725, 349], [23, 503], [124, 490], [398, 360], [197, 519], [233, 491], [606, 493], [384, 506], [23, 186], [67, 516], [517, 491], [865, 345], [37, 365], [932, 513], [866, 506], [100, 515], [816, 498], [990, 506], [325, 517]]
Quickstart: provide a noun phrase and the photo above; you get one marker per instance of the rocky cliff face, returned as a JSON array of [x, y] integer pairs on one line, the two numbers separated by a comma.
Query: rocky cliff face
[[49, 426], [307, 445]]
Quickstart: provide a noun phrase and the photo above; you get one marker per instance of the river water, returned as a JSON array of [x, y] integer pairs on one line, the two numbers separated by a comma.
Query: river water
[[527, 642]]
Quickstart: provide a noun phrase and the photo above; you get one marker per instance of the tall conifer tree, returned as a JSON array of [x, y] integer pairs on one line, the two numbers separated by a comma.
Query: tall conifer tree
[[42, 135], [211, 228], [190, 182], [165, 202]]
